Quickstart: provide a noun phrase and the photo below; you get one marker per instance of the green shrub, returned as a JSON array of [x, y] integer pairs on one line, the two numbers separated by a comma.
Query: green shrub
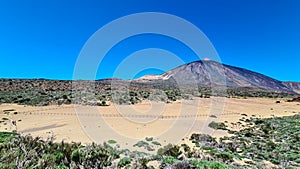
[[209, 165], [156, 143], [290, 167], [203, 138], [111, 142], [76, 155], [213, 116], [149, 138], [207, 148], [141, 144], [170, 150], [170, 160], [60, 167], [6, 136], [217, 126], [226, 156], [124, 161], [46, 154], [143, 162], [216, 165]]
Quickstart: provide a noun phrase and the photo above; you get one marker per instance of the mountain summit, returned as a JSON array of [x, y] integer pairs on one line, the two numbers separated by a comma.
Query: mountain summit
[[208, 73]]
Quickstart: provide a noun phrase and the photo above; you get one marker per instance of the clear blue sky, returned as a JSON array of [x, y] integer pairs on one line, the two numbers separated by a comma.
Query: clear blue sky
[[42, 39]]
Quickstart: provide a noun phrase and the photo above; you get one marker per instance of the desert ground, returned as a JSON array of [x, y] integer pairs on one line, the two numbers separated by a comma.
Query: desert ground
[[127, 124]]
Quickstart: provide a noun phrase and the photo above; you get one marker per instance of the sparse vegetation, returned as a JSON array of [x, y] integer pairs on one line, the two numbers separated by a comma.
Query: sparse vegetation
[[124, 162], [149, 138], [111, 142], [4, 119], [217, 126], [141, 144], [27, 152], [275, 140], [156, 143], [213, 116], [42, 92], [6, 136]]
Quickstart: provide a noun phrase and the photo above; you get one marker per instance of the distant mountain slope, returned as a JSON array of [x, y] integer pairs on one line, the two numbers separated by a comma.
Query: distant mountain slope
[[204, 73], [295, 86], [208, 73]]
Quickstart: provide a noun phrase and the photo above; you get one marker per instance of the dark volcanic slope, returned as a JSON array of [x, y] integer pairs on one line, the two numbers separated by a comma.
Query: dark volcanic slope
[[210, 73], [295, 86], [200, 73]]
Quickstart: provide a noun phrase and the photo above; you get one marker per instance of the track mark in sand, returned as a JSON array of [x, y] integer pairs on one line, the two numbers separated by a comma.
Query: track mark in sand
[[108, 115], [47, 109]]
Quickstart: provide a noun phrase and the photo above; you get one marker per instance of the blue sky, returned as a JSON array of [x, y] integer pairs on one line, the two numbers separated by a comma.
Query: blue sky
[[42, 39]]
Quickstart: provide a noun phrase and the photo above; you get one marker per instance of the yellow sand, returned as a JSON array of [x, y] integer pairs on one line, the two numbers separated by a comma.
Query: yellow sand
[[129, 123]]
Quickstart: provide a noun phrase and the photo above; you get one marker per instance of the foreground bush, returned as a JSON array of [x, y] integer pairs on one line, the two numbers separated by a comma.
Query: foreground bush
[[28, 152]]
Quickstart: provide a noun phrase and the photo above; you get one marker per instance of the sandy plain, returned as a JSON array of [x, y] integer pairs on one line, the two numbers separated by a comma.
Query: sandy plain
[[127, 124]]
